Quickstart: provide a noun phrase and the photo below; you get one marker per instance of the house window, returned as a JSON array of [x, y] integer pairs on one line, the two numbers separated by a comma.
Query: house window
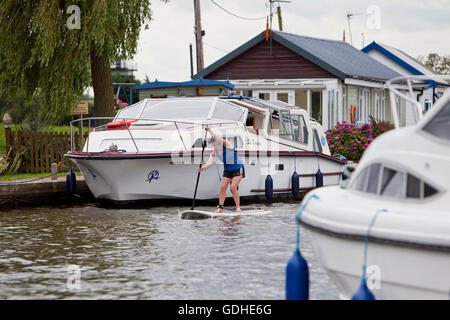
[[397, 105], [264, 95], [380, 105], [344, 104], [362, 110]]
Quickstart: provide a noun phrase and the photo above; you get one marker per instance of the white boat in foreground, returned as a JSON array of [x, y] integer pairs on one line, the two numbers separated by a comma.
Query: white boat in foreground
[[152, 149], [400, 191]]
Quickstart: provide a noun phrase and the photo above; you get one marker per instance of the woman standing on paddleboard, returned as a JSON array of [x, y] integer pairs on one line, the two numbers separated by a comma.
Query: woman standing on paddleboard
[[233, 168]]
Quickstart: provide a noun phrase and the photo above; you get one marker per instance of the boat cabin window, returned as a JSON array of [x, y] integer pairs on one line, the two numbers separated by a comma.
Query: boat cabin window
[[282, 122], [440, 124], [390, 182], [286, 126], [317, 146], [236, 141], [373, 178], [360, 182], [300, 130]]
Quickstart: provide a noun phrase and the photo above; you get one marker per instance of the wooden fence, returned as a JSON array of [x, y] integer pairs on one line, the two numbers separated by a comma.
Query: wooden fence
[[39, 150]]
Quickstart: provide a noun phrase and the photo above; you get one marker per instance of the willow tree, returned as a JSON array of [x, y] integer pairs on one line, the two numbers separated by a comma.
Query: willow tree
[[60, 47]]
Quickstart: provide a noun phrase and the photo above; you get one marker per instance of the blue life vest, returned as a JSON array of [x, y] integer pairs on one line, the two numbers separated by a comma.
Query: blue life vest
[[231, 160]]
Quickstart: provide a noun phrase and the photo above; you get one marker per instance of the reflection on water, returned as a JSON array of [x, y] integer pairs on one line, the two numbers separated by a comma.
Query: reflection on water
[[150, 254]]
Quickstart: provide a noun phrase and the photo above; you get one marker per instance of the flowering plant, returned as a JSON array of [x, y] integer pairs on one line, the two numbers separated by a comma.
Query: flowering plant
[[349, 140], [119, 104]]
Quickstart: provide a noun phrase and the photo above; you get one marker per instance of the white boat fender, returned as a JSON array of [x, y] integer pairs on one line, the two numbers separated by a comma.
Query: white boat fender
[[297, 273], [363, 292]]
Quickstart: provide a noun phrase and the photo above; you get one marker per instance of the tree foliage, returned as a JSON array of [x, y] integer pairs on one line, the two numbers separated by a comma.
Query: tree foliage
[[39, 51], [440, 64]]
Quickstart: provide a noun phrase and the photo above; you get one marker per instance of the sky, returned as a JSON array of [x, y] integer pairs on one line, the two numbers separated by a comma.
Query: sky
[[417, 27]]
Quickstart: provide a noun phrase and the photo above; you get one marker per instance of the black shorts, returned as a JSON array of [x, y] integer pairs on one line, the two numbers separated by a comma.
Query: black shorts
[[234, 173]]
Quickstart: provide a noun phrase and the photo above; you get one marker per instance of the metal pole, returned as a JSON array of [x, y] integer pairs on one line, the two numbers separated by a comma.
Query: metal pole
[[131, 94], [198, 36], [280, 21], [191, 59], [134, 142]]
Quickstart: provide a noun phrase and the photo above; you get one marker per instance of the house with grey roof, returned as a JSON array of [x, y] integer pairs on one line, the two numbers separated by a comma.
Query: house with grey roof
[[403, 63], [325, 77]]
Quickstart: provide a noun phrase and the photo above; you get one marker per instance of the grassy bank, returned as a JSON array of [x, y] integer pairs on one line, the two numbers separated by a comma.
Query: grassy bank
[[26, 176]]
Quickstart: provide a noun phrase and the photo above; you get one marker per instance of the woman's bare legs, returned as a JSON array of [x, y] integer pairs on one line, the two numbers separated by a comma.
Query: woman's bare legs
[[234, 190], [222, 192]]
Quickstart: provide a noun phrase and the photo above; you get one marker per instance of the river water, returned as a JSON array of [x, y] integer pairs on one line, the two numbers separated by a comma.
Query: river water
[[92, 252]]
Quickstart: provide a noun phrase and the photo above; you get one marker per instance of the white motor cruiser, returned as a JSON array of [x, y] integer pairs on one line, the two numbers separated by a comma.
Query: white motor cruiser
[[152, 149], [394, 217]]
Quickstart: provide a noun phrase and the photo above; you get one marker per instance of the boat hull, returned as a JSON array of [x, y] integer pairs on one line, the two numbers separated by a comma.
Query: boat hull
[[408, 251], [394, 271], [144, 178]]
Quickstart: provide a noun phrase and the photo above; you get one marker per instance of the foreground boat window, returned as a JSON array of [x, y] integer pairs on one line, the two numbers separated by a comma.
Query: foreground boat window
[[392, 184], [440, 124], [372, 185], [360, 182], [429, 190]]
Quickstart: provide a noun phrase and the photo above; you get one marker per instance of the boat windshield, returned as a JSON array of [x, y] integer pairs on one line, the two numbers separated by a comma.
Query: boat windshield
[[194, 109], [132, 111]]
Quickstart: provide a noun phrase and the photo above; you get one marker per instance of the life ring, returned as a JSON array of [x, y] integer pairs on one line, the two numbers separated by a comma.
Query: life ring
[[353, 113], [120, 123]]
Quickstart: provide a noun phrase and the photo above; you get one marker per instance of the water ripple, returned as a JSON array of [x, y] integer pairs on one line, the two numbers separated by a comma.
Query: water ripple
[[150, 254]]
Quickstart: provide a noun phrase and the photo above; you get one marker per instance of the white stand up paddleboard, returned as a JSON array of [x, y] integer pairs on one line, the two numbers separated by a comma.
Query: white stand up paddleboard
[[199, 214]]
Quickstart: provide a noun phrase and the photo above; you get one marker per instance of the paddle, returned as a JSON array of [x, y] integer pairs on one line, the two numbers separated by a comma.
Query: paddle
[[198, 175]]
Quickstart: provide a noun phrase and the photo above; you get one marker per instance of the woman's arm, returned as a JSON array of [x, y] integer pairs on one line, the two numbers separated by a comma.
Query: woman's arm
[[219, 141], [209, 163]]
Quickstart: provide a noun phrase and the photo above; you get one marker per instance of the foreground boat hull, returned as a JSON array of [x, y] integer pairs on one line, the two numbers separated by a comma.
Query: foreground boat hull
[[408, 251], [394, 271], [144, 178]]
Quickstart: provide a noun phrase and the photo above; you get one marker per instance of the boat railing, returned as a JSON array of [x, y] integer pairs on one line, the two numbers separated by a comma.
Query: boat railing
[[79, 124], [396, 84]]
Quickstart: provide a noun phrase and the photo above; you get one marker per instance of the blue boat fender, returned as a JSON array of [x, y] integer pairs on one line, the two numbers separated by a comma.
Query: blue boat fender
[[295, 184], [71, 182], [269, 187], [319, 178]]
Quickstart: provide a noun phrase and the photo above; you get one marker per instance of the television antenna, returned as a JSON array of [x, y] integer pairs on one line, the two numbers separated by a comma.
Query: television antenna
[[349, 15]]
